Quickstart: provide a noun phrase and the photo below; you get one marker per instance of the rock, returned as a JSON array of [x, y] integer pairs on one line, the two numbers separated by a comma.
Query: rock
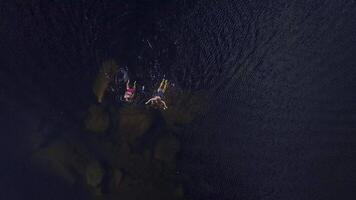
[[166, 148], [133, 123], [103, 79], [183, 108], [117, 178], [97, 120], [58, 158], [179, 192], [147, 154], [94, 174]]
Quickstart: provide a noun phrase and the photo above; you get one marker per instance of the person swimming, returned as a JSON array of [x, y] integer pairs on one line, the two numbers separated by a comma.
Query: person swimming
[[130, 92], [158, 96]]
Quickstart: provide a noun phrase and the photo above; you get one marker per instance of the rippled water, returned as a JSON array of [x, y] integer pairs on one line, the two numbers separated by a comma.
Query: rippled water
[[279, 77], [284, 113]]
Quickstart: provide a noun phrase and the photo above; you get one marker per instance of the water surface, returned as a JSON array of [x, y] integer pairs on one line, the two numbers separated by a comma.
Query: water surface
[[278, 76]]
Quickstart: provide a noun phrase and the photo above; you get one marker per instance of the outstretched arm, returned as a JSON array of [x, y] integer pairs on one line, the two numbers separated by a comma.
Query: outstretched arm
[[149, 101], [128, 84]]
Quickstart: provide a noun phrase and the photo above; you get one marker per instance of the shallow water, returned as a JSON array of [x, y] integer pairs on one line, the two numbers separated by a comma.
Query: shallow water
[[279, 77]]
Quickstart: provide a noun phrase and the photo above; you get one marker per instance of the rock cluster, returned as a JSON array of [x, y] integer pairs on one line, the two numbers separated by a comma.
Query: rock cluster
[[123, 151]]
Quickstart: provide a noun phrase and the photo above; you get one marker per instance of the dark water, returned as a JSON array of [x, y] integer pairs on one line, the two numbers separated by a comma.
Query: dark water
[[279, 75]]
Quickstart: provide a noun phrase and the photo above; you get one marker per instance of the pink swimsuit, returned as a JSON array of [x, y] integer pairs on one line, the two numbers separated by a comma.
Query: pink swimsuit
[[129, 93]]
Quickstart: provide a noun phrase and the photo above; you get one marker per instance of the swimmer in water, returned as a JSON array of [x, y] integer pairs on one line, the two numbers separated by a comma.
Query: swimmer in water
[[130, 92], [158, 96]]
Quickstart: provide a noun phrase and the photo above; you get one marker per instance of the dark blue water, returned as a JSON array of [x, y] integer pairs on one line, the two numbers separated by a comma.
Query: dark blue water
[[279, 76]]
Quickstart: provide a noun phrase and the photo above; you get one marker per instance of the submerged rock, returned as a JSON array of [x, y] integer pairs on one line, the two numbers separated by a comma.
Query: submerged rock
[[184, 107], [117, 178], [103, 79], [166, 148], [179, 192], [97, 119], [57, 158], [94, 174], [134, 122]]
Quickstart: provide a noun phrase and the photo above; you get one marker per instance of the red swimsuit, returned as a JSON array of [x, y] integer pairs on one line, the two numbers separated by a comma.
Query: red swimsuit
[[129, 93]]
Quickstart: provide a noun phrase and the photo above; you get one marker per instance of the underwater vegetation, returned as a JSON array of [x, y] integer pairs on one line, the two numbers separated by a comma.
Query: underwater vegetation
[[123, 151]]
